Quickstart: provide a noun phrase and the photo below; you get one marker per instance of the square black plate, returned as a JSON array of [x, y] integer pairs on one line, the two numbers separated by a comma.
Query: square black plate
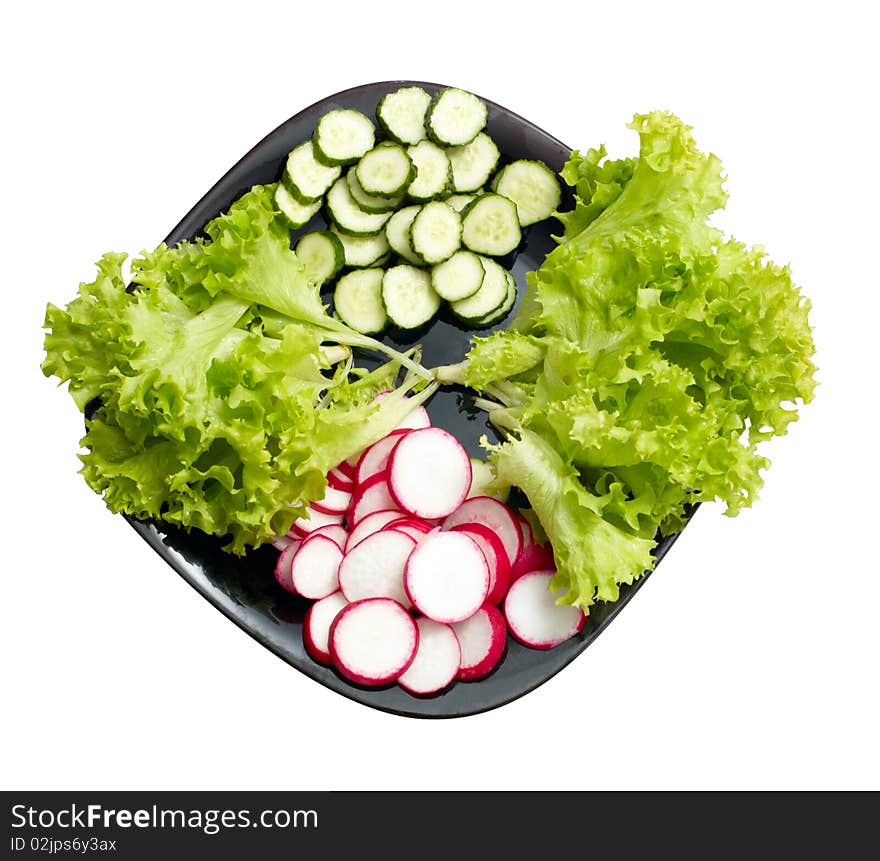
[[244, 589]]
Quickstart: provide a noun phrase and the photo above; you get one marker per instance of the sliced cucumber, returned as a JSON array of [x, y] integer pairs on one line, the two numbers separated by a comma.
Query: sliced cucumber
[[322, 254], [343, 136], [435, 234], [490, 225], [410, 300], [386, 170], [362, 250], [402, 114], [532, 186], [369, 202], [490, 297], [433, 171], [459, 201], [455, 117], [348, 216], [296, 213], [306, 178], [459, 277], [357, 300], [473, 163], [397, 232], [504, 309]]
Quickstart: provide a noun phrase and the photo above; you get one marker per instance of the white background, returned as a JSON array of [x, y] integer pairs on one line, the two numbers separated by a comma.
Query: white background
[[749, 660]]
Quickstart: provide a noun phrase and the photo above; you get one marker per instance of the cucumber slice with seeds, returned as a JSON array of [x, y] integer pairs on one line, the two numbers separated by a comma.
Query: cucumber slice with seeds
[[433, 171], [459, 201], [532, 186], [369, 202], [490, 297], [397, 232], [296, 213], [459, 277], [348, 216], [473, 163], [435, 234], [385, 171], [361, 251], [455, 117], [503, 310], [322, 254], [357, 301], [490, 225], [305, 177], [343, 136], [402, 114], [409, 298]]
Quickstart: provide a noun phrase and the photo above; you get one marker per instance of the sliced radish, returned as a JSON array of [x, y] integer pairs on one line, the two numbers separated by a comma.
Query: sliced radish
[[316, 626], [339, 480], [283, 563], [496, 557], [313, 520], [332, 502], [370, 524], [422, 526], [429, 473], [372, 495], [335, 532], [414, 532], [437, 659], [314, 571], [533, 615], [348, 467], [375, 459], [372, 642], [374, 567], [532, 556], [482, 638], [279, 542], [447, 577], [494, 514]]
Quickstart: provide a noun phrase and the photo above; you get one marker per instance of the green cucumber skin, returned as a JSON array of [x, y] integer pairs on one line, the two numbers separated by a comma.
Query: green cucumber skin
[[389, 132], [322, 156], [499, 313], [444, 192], [432, 135], [420, 254], [390, 204], [338, 251]]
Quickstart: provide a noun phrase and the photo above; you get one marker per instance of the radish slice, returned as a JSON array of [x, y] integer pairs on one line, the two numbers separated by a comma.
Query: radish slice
[[375, 459], [374, 568], [314, 571], [482, 638], [533, 615], [333, 501], [338, 480], [316, 627], [313, 520], [370, 524], [532, 556], [437, 659], [335, 532], [371, 496], [429, 473], [418, 419], [414, 532], [496, 557], [372, 642], [279, 542], [494, 514], [447, 577], [282, 566], [422, 526], [348, 467]]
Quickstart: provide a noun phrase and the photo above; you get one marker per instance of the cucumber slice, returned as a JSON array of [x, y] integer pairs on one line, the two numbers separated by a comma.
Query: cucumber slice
[[402, 114], [459, 201], [455, 117], [473, 163], [433, 171], [435, 234], [397, 232], [305, 177], [322, 254], [459, 277], [532, 186], [357, 301], [503, 310], [489, 225], [362, 251], [410, 300], [490, 297], [369, 202], [343, 136], [348, 216], [296, 213], [385, 171]]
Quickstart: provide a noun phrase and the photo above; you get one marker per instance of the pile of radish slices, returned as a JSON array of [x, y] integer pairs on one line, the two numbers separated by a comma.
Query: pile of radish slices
[[407, 568]]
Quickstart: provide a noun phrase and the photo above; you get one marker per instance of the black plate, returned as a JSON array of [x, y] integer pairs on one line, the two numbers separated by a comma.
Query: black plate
[[244, 589]]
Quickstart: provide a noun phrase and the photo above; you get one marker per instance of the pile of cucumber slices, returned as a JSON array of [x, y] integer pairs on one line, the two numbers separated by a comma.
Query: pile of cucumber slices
[[411, 221]]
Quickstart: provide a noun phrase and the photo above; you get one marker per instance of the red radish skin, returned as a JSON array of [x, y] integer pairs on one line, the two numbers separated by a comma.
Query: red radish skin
[[348, 467], [496, 557], [372, 495], [335, 532], [532, 556], [333, 501], [422, 525], [282, 566], [533, 616], [375, 459], [447, 576], [316, 626], [437, 659], [338, 480], [494, 514], [314, 570], [416, 534], [375, 567], [373, 642], [429, 473], [313, 520], [482, 638], [370, 524]]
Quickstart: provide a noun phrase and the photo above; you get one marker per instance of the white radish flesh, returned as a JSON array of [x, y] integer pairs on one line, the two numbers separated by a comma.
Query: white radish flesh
[[534, 617], [333, 501], [496, 557], [437, 659], [314, 571], [372, 642], [316, 626], [494, 514], [429, 473], [283, 563], [371, 496], [335, 532], [482, 638], [447, 577], [375, 459], [371, 524], [339, 480], [313, 520], [374, 567]]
